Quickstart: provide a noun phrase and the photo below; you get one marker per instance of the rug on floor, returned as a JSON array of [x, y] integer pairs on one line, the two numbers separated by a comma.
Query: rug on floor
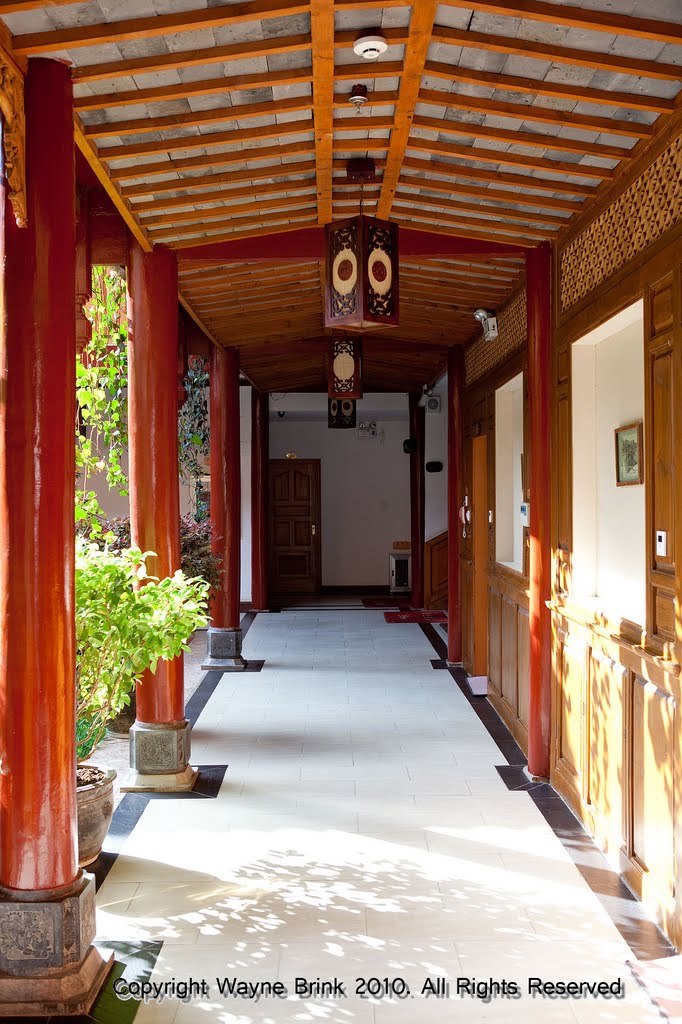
[[386, 602], [411, 615]]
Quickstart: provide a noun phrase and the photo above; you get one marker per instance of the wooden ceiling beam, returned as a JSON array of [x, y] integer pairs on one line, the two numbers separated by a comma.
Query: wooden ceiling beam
[[227, 212], [496, 156], [157, 206], [486, 219], [577, 17], [286, 214], [429, 167], [297, 301], [492, 194], [195, 118], [208, 141], [158, 25], [189, 58], [185, 90], [465, 281], [292, 170], [250, 231], [532, 112], [416, 51], [511, 265], [519, 138], [519, 47], [479, 210], [459, 229], [322, 40], [211, 160], [557, 90], [196, 268], [368, 72], [208, 298]]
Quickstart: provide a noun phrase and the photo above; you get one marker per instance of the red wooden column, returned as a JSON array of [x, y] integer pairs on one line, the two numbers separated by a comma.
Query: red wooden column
[[455, 486], [538, 284], [159, 740], [418, 437], [46, 903], [260, 461], [225, 635]]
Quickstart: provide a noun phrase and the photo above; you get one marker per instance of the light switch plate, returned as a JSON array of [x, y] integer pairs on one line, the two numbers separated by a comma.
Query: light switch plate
[[661, 543]]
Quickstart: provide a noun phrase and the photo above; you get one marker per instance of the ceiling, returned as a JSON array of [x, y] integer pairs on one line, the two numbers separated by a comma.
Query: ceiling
[[499, 119]]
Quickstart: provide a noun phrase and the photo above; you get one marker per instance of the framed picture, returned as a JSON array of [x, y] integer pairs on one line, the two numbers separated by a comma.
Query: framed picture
[[629, 455]]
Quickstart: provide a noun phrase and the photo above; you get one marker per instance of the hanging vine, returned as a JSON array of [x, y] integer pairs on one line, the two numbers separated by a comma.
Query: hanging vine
[[194, 433], [101, 383]]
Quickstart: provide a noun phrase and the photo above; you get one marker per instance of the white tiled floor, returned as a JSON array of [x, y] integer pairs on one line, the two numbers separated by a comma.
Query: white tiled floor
[[361, 831]]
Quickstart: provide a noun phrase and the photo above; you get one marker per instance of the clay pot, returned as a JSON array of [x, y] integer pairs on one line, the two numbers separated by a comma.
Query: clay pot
[[95, 802], [120, 726]]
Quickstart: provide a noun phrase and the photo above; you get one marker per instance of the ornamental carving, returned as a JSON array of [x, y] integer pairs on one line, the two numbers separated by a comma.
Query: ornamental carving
[[641, 214], [380, 292], [343, 257], [14, 136]]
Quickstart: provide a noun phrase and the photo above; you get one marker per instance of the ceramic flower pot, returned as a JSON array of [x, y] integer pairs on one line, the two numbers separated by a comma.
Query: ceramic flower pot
[[95, 801]]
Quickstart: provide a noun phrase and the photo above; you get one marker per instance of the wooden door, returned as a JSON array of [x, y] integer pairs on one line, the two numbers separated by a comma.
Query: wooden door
[[295, 563]]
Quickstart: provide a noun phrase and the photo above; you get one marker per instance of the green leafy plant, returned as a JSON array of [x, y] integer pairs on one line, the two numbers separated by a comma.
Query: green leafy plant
[[194, 433], [196, 555], [101, 382], [125, 622]]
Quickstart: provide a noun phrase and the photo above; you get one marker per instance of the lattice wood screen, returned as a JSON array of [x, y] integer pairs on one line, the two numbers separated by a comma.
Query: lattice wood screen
[[483, 356], [648, 208]]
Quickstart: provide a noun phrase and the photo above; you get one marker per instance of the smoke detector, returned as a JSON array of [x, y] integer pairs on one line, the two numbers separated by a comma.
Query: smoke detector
[[370, 47], [358, 96]]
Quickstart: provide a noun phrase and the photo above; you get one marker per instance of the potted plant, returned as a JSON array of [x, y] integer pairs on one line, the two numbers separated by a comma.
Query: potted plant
[[125, 622]]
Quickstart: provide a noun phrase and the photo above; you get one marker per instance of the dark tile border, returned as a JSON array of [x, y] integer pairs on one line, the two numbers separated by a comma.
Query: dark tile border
[[628, 914]]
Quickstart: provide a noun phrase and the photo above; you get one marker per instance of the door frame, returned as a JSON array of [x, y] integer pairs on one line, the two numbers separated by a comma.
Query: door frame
[[316, 503]]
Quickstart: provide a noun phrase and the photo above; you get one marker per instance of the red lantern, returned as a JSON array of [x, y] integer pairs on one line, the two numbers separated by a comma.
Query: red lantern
[[361, 274], [345, 368]]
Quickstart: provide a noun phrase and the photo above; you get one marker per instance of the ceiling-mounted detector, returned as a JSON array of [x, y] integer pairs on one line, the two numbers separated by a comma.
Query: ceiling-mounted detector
[[358, 96], [370, 47]]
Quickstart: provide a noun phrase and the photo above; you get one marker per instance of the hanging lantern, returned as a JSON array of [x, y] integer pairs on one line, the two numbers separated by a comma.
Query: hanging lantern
[[345, 368], [361, 274], [342, 413]]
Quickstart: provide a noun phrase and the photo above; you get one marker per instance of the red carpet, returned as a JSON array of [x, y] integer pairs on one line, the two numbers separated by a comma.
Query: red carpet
[[413, 616], [386, 602]]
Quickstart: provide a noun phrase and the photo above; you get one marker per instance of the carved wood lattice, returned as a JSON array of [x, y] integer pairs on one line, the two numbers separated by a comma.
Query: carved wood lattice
[[483, 356], [13, 132], [648, 208]]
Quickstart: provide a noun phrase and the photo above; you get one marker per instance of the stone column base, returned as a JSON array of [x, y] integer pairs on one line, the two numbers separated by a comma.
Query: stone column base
[[180, 782], [160, 752], [224, 652], [47, 963]]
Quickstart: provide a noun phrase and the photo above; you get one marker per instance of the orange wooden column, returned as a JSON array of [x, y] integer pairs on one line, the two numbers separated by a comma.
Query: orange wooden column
[[260, 461], [225, 635], [417, 507], [159, 740], [538, 285], [455, 486], [46, 903]]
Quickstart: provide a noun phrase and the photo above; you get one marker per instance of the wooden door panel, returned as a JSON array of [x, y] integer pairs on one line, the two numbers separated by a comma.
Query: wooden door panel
[[494, 639], [606, 729], [571, 711], [509, 661], [295, 526]]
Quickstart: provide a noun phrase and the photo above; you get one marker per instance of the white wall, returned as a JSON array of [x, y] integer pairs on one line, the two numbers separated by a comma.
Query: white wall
[[365, 482], [436, 484], [245, 443], [508, 479], [609, 523]]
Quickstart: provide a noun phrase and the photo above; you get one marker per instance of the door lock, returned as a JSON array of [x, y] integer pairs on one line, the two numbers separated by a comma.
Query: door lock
[[312, 529]]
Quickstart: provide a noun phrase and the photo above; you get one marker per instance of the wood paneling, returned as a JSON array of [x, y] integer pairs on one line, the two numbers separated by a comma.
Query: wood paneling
[[571, 710], [436, 572], [606, 792]]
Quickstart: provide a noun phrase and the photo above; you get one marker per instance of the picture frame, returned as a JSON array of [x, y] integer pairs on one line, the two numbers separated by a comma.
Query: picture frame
[[629, 455]]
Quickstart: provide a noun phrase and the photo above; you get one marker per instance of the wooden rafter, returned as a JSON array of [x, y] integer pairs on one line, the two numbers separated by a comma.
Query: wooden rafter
[[322, 39], [416, 50], [252, 174], [577, 17], [158, 206], [489, 194], [449, 170], [496, 156], [210, 160], [157, 25], [19, 6]]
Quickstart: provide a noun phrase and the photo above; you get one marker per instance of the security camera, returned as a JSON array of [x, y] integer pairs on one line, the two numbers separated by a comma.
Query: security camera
[[426, 394], [280, 414], [488, 322]]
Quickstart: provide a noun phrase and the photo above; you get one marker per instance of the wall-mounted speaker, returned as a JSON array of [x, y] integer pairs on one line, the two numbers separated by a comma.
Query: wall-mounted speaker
[[434, 467]]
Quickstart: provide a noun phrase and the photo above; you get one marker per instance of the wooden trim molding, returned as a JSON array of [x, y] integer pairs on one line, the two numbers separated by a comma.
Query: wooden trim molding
[[14, 135]]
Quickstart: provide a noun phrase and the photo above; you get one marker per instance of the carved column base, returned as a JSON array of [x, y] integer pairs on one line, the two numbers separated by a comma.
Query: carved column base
[[224, 651], [47, 963], [159, 757]]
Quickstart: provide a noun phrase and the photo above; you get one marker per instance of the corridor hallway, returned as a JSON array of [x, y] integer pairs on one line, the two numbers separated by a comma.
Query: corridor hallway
[[362, 830]]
